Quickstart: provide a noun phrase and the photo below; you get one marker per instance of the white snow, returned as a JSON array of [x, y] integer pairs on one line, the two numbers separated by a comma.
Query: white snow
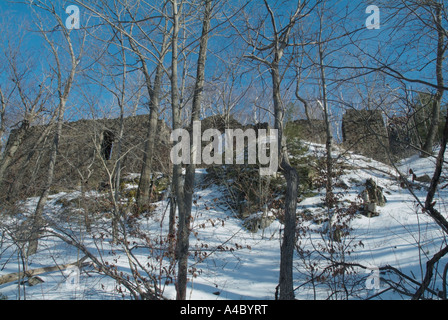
[[401, 236]]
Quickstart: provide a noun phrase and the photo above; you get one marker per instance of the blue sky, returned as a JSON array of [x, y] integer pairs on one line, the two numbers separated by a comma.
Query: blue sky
[[372, 41]]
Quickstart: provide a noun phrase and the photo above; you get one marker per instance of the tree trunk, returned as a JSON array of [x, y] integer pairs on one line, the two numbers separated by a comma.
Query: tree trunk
[[12, 147], [188, 188], [64, 88], [434, 213], [177, 168], [292, 179], [436, 104], [144, 191], [329, 137], [34, 272], [117, 178], [38, 214], [2, 120], [144, 185]]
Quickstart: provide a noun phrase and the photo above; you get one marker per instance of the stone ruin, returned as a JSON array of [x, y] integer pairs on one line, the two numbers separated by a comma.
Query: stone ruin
[[88, 147], [87, 152], [312, 130], [364, 132], [402, 135]]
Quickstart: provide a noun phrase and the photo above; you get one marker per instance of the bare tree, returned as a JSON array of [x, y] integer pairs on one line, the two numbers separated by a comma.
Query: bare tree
[[184, 191], [63, 89], [26, 94], [269, 49], [143, 44], [423, 23], [437, 8], [421, 71], [326, 111], [154, 91]]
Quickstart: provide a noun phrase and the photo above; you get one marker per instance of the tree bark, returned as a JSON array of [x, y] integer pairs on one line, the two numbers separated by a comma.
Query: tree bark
[[12, 147], [188, 188], [144, 191], [64, 88], [177, 168], [38, 214], [434, 213], [11, 277], [436, 104], [278, 45], [2, 120], [329, 136], [292, 179]]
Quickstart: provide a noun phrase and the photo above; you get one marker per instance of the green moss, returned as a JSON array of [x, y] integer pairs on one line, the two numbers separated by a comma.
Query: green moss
[[161, 184], [131, 194]]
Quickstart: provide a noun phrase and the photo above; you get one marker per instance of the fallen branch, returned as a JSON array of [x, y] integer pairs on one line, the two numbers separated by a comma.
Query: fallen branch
[[11, 277]]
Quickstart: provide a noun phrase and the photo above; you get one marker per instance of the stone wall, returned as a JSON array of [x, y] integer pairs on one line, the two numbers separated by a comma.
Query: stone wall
[[364, 132], [86, 149], [402, 136], [311, 131]]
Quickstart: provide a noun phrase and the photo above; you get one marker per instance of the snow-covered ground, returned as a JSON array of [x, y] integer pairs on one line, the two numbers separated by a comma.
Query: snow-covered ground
[[229, 262]]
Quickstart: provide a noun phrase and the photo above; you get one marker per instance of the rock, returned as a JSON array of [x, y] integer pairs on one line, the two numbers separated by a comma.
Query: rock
[[337, 235], [423, 178], [34, 281], [369, 210], [258, 221], [372, 197], [244, 210], [375, 193], [364, 132]]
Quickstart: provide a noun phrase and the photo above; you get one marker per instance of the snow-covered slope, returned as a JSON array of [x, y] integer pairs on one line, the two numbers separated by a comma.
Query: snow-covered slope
[[229, 262]]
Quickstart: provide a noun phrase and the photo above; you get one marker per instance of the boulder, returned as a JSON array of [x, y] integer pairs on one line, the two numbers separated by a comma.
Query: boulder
[[424, 178], [375, 193], [257, 221], [372, 197]]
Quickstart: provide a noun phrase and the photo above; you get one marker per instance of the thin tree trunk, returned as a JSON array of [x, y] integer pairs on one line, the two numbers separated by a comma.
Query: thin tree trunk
[[279, 44], [329, 137], [434, 213], [177, 184], [12, 147], [2, 120], [144, 191], [292, 179], [64, 88], [38, 214], [436, 104], [185, 215], [117, 178]]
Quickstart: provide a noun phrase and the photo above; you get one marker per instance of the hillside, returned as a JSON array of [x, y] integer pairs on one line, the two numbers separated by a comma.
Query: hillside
[[230, 262]]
